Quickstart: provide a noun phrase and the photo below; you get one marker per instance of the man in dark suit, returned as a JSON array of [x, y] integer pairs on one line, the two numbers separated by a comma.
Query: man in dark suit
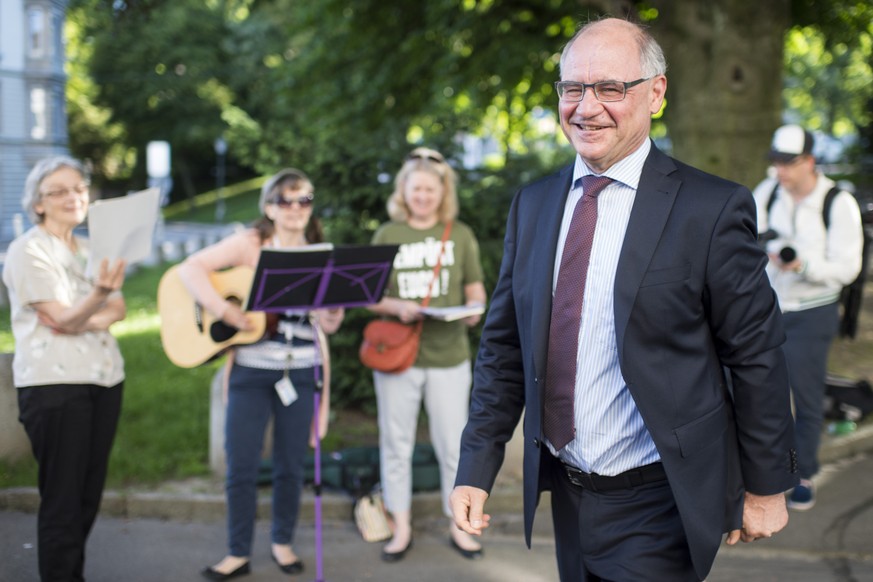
[[617, 334]]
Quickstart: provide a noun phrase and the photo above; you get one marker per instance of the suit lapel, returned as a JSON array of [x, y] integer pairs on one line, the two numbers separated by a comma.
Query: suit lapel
[[552, 197], [654, 200]]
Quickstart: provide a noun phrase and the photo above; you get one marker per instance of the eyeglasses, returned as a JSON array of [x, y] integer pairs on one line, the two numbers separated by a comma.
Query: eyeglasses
[[604, 91], [303, 201], [61, 192], [429, 157]]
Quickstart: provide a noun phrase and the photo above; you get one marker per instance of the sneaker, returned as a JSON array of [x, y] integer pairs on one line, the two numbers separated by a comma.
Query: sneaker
[[803, 496]]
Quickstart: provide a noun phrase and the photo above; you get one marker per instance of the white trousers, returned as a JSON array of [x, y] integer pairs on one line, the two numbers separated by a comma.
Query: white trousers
[[446, 395]]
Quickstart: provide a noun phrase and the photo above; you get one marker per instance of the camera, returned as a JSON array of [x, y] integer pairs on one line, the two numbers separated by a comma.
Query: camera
[[786, 254]]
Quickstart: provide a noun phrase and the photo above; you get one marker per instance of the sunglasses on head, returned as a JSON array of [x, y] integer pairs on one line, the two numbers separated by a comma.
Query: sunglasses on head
[[430, 157], [303, 201]]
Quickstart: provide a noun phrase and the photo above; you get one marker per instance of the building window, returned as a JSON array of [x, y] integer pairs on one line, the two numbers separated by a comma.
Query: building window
[[58, 116], [37, 33], [38, 113]]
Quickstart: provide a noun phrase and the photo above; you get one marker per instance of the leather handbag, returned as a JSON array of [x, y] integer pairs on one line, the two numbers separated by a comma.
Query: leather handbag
[[391, 346]]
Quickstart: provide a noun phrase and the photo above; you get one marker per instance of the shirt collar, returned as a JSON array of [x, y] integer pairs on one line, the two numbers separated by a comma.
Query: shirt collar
[[627, 170]]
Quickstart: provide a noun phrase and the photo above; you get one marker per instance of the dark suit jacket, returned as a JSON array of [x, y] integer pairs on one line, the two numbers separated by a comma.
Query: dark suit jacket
[[691, 301]]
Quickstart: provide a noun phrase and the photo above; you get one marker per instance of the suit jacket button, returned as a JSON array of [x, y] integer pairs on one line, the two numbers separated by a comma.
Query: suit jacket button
[[536, 442]]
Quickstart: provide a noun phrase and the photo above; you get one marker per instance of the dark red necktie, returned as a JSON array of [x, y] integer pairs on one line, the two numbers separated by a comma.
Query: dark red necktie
[[558, 422]]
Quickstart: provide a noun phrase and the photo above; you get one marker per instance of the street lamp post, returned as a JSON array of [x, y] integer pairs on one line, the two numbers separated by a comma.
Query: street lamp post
[[220, 151]]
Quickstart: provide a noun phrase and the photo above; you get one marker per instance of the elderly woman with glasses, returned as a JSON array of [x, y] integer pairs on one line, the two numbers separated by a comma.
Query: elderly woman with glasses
[[67, 366], [423, 210], [273, 377]]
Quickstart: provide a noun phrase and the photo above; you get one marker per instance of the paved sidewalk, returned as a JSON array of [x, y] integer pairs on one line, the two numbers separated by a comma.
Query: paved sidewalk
[[170, 533], [830, 543]]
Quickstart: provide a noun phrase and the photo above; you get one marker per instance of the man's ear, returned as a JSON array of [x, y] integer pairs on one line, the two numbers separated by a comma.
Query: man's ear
[[659, 91]]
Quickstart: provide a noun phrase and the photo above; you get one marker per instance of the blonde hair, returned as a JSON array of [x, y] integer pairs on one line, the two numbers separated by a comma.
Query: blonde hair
[[424, 159]]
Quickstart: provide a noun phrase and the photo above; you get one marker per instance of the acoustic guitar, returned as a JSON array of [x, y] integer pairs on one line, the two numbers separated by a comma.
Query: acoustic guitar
[[190, 335]]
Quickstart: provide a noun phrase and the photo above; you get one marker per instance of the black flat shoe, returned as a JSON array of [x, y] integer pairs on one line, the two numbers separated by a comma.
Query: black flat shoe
[[469, 554], [396, 556], [292, 568], [211, 574]]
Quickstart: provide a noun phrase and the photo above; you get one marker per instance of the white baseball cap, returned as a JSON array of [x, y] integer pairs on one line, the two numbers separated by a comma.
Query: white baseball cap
[[790, 141]]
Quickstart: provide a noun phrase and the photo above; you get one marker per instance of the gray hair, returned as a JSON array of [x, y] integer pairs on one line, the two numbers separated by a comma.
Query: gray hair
[[652, 60], [43, 169]]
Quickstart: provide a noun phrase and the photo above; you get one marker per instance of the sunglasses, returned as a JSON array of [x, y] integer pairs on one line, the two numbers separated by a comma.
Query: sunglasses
[[429, 157], [303, 201]]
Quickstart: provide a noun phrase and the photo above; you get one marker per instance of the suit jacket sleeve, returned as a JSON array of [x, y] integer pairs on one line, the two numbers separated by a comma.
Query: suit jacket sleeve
[[746, 326]]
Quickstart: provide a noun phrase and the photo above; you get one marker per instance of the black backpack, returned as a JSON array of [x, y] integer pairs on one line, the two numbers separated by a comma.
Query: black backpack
[[847, 399], [852, 294]]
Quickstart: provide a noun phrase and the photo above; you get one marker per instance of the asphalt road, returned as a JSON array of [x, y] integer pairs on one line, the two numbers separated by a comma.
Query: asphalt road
[[833, 542]]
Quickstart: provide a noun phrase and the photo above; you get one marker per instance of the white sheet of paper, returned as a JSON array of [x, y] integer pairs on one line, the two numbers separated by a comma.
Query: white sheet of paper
[[123, 227], [453, 313]]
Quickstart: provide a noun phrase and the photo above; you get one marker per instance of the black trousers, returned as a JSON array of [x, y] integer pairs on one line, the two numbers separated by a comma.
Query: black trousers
[[627, 535], [71, 428]]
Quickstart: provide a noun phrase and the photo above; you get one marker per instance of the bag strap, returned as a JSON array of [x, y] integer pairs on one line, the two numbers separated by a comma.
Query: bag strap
[[825, 208], [436, 269]]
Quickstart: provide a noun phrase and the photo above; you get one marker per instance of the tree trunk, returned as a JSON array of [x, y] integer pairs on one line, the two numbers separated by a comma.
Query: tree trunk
[[724, 92]]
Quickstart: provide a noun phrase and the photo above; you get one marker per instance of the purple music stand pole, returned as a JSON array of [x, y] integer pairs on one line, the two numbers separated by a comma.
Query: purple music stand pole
[[270, 298], [316, 398]]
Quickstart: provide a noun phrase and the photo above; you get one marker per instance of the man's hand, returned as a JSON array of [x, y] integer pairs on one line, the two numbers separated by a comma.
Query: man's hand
[[468, 505], [763, 515]]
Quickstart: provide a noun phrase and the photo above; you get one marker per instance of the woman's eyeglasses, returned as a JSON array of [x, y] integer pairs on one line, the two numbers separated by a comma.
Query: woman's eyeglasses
[[429, 157], [79, 189], [303, 201]]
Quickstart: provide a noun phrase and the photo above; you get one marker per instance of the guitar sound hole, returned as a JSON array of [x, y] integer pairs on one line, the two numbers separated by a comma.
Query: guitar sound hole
[[221, 332]]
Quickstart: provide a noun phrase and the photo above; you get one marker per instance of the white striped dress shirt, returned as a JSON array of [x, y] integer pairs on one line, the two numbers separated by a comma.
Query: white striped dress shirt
[[610, 434]]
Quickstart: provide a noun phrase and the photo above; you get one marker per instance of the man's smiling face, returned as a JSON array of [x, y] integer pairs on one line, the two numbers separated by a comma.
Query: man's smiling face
[[604, 133]]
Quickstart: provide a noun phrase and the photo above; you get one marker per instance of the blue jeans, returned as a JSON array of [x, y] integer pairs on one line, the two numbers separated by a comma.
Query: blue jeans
[[809, 335], [252, 400]]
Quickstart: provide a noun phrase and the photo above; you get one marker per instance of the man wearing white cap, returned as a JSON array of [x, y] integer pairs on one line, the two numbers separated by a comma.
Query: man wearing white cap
[[814, 238]]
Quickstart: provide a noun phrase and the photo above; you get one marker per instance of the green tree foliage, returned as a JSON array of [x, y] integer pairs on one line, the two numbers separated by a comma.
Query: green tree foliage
[[829, 67], [93, 136], [158, 66]]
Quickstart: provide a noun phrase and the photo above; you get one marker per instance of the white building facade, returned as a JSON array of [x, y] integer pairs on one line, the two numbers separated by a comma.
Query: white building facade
[[33, 119]]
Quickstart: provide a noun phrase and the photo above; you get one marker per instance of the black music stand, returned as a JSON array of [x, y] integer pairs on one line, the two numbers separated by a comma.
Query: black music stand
[[319, 276], [313, 277]]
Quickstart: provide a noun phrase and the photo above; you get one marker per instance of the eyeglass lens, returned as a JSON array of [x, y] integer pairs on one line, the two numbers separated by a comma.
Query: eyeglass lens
[[60, 192], [303, 201], [605, 91]]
